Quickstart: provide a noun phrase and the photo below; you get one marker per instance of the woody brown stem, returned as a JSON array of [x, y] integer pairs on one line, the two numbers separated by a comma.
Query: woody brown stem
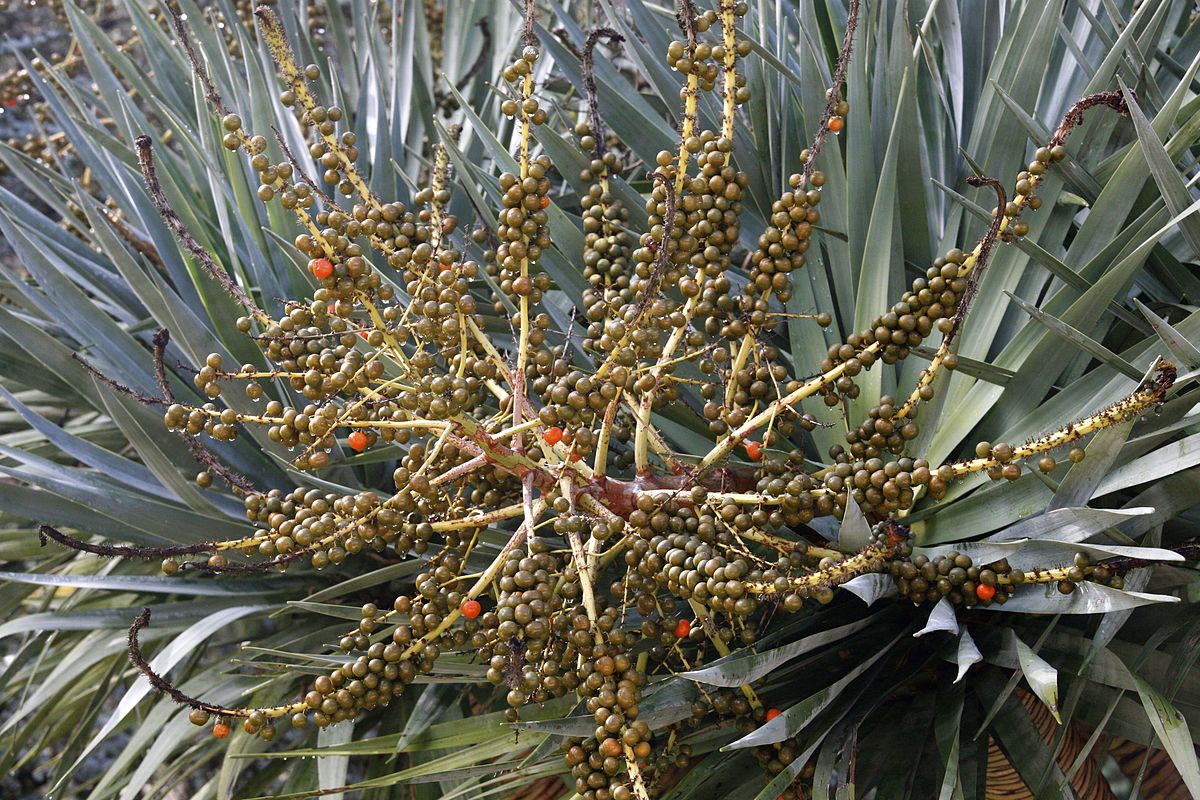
[[589, 85], [161, 684], [146, 160], [835, 90], [113, 551]]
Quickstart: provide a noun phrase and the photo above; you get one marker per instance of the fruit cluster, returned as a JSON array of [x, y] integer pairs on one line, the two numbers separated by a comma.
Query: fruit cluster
[[610, 573]]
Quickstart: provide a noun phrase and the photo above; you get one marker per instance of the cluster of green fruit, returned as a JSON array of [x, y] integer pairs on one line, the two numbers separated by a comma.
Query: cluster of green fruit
[[637, 570]]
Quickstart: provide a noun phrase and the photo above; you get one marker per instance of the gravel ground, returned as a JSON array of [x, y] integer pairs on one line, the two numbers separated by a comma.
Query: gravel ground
[[29, 29], [26, 30]]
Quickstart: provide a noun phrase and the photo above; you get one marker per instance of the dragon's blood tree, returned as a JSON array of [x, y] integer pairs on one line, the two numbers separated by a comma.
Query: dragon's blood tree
[[624, 561]]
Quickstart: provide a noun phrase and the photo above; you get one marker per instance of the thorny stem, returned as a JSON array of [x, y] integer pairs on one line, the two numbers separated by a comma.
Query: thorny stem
[[1150, 394], [871, 559], [641, 435], [529, 27], [729, 69], [589, 86], [519, 382], [831, 102], [146, 160], [686, 15], [600, 466], [984, 249], [635, 774], [115, 386], [485, 48], [110, 550], [210, 91], [1074, 116], [586, 585], [160, 683], [195, 445]]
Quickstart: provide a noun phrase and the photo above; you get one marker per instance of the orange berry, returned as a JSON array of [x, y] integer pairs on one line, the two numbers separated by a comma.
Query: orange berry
[[553, 435], [753, 451], [331, 308], [471, 608], [985, 592], [358, 441], [836, 124], [362, 334], [682, 629], [220, 730], [321, 268], [545, 202], [772, 713]]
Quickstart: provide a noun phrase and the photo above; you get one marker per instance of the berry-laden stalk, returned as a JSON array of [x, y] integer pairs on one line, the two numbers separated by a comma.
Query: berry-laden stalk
[[523, 346], [281, 52], [1151, 393], [727, 445], [276, 185], [796, 231], [728, 16], [820, 583], [702, 614], [690, 92], [678, 53], [146, 161], [1008, 224]]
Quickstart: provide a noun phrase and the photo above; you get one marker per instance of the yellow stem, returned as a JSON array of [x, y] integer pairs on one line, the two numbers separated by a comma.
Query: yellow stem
[[703, 617]]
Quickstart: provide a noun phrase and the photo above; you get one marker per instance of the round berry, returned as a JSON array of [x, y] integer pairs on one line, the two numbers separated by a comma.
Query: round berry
[[753, 451], [985, 592], [358, 441], [682, 629], [471, 608], [772, 713], [553, 435], [321, 268], [220, 730]]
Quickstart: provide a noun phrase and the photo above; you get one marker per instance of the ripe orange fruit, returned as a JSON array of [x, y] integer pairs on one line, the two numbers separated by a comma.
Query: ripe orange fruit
[[836, 124], [682, 629], [545, 202], [358, 441], [471, 608], [321, 268], [553, 435], [985, 592], [772, 713], [220, 730], [753, 451]]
